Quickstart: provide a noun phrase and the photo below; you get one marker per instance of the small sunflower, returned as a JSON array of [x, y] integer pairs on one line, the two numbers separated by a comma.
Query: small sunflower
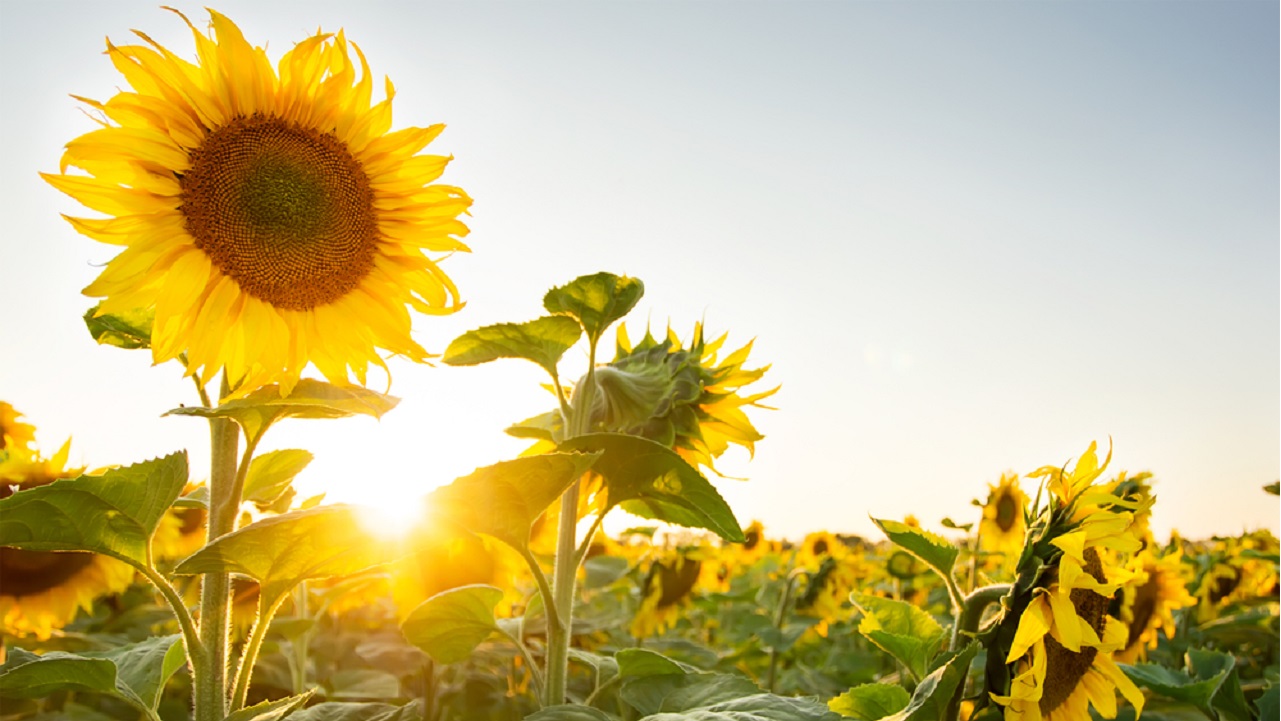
[[755, 546], [182, 531], [442, 563], [667, 587], [14, 434], [266, 215], [1003, 525], [1051, 654], [44, 590], [1147, 604]]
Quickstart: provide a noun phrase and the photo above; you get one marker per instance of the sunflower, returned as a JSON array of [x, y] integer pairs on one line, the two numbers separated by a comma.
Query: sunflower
[[442, 563], [44, 590], [1237, 572], [266, 215], [1052, 650], [667, 587], [182, 531], [1147, 604], [1003, 525], [14, 434], [755, 546]]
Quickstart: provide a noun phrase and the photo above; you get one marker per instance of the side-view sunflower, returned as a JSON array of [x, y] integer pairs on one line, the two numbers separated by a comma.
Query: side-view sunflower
[[42, 591], [665, 590], [1050, 656], [266, 215], [1147, 604], [1003, 525]]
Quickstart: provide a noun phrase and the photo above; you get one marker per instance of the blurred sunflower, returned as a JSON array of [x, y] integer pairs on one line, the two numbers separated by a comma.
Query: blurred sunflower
[[181, 531], [14, 434], [754, 547], [441, 563], [1003, 525], [1051, 654], [667, 587], [1146, 605], [266, 215], [1237, 571], [44, 590]]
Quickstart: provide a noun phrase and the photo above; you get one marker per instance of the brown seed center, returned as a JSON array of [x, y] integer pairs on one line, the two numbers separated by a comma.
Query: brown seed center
[[1145, 602], [1064, 669], [282, 209], [27, 573], [1006, 512]]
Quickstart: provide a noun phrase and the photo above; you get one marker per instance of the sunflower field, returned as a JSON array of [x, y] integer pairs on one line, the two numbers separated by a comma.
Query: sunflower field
[[270, 224]]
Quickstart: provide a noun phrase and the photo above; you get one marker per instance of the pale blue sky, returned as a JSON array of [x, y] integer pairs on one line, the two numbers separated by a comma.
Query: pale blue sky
[[970, 237]]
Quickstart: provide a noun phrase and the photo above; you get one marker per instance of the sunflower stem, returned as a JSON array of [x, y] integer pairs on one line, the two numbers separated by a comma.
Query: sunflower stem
[[964, 625], [215, 591], [780, 615], [250, 655]]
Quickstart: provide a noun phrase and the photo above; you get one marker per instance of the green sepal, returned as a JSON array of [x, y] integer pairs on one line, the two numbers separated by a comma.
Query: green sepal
[[130, 330], [596, 301], [113, 514], [542, 340], [451, 624], [309, 399], [935, 551], [870, 701], [652, 481], [900, 629]]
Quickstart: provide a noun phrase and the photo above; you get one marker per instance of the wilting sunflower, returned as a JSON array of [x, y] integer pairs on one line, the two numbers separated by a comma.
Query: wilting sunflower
[[1051, 654], [1146, 605], [14, 434], [266, 215], [44, 590], [1003, 525], [667, 587]]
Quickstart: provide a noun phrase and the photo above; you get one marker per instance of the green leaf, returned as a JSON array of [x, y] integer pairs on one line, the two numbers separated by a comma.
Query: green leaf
[[272, 710], [451, 624], [343, 711], [309, 399], [1229, 699], [543, 427], [652, 481], [362, 683], [934, 550], [604, 570], [1274, 488], [870, 701], [595, 300], [143, 668], [281, 551], [900, 629], [1175, 684], [1269, 704], [504, 500], [542, 340], [129, 330], [756, 707], [569, 712], [681, 692], [113, 514], [271, 473], [639, 662], [932, 695], [27, 675]]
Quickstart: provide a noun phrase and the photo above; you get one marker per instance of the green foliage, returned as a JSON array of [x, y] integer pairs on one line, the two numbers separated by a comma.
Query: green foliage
[[504, 500], [451, 624], [113, 514], [756, 707], [639, 662], [670, 692], [271, 473], [870, 701], [135, 672], [271, 710], [309, 399], [131, 330], [902, 630], [542, 340], [281, 551], [596, 301], [934, 550], [1213, 687], [569, 712], [935, 692], [652, 481]]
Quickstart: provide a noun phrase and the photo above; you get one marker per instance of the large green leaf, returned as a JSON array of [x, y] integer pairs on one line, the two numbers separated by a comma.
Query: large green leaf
[[1269, 704], [1175, 684], [309, 399], [652, 481], [451, 624], [342, 711], [129, 330], [932, 696], [637, 662], [596, 300], [362, 684], [271, 710], [504, 500], [870, 701], [27, 675], [934, 550], [1229, 699], [755, 707], [542, 340], [145, 667], [900, 629], [569, 712], [281, 551], [271, 473], [680, 692], [113, 514]]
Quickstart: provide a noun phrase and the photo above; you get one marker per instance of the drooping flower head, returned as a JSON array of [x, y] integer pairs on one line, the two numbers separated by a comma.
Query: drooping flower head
[[266, 215], [1051, 654]]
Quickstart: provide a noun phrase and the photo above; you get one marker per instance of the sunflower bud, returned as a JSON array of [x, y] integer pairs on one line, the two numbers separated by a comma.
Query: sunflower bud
[[633, 401]]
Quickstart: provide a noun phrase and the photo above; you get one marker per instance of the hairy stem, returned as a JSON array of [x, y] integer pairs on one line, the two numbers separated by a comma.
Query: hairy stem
[[250, 655]]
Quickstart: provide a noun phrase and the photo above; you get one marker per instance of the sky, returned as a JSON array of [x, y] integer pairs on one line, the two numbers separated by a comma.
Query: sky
[[968, 238]]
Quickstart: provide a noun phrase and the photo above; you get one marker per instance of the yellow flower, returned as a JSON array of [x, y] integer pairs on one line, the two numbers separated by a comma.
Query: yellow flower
[[14, 434], [1060, 654], [1148, 603], [753, 548], [41, 591], [1003, 525], [266, 215], [182, 531], [1234, 577], [668, 585], [441, 563]]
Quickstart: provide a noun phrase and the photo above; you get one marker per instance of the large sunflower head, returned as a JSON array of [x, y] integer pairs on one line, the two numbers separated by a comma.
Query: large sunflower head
[[1051, 654], [1003, 524], [1147, 604], [266, 215]]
